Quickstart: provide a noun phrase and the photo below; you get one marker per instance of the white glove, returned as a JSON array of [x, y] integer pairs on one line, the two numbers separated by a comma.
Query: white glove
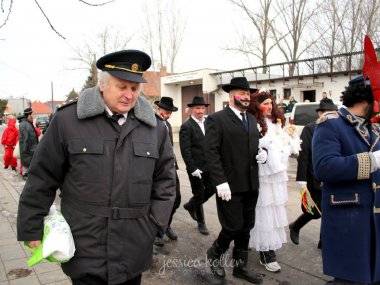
[[197, 173], [224, 191], [301, 184], [375, 160], [262, 156]]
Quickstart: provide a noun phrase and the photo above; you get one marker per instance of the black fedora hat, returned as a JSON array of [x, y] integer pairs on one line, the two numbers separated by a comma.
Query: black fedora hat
[[125, 64], [28, 111], [238, 83], [166, 103], [198, 101], [326, 104]]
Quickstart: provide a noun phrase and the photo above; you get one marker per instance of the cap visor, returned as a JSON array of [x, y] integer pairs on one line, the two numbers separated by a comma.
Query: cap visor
[[125, 75]]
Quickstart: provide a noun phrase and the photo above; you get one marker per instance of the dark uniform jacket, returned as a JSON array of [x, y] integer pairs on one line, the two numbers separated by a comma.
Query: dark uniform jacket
[[117, 186], [28, 141], [231, 151], [350, 197], [305, 167], [192, 144]]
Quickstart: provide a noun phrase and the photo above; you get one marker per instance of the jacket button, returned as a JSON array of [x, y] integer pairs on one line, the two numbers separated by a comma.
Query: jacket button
[[84, 149], [148, 153]]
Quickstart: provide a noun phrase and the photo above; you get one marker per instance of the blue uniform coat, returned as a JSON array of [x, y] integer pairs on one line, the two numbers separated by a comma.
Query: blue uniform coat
[[350, 197]]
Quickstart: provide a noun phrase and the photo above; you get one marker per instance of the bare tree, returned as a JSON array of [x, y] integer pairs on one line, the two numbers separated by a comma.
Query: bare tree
[[163, 38], [295, 18], [6, 12], [261, 21], [105, 42]]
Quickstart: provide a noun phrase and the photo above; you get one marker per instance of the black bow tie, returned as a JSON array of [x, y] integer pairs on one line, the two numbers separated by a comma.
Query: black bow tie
[[116, 117]]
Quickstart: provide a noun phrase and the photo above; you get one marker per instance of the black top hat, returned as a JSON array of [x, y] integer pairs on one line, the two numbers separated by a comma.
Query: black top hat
[[238, 83], [326, 104], [197, 101], [166, 103], [28, 111], [125, 64]]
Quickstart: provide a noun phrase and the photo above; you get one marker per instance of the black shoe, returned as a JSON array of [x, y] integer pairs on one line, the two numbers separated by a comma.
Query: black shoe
[[191, 211], [241, 271], [319, 246], [171, 234], [294, 234], [159, 241], [203, 229], [214, 254]]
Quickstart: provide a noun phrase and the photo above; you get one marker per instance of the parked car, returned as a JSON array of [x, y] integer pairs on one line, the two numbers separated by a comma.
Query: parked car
[[304, 113], [42, 123]]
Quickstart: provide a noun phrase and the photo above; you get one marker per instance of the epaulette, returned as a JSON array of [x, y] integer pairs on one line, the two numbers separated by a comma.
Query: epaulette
[[67, 103], [327, 116]]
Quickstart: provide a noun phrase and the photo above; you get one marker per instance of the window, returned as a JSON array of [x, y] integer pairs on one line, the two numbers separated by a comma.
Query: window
[[273, 93], [287, 93]]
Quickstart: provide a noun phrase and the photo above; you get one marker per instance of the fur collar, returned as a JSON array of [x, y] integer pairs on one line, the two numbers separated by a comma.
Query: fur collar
[[90, 104]]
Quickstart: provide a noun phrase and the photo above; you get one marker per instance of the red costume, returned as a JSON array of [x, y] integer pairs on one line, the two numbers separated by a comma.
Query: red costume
[[9, 140]]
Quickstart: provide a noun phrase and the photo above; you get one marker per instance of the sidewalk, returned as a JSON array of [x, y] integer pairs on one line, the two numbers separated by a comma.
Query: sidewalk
[[300, 264]]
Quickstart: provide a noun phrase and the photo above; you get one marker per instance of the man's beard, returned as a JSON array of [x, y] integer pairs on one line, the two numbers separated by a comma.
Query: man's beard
[[241, 104]]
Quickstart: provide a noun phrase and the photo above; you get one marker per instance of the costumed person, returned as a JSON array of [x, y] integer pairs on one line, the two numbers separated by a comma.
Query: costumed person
[[28, 140], [113, 162], [9, 140], [346, 159], [164, 110], [192, 144], [232, 154], [305, 178], [269, 233]]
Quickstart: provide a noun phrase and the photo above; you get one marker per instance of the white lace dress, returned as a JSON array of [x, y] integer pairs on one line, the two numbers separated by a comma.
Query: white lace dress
[[271, 218]]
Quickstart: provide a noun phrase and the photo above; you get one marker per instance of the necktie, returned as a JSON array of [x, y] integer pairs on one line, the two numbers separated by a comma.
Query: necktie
[[245, 122], [116, 117]]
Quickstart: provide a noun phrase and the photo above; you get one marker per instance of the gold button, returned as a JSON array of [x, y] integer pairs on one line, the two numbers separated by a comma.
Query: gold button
[[84, 149], [148, 153]]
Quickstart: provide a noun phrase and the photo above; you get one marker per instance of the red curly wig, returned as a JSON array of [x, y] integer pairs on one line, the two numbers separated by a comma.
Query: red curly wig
[[254, 108]]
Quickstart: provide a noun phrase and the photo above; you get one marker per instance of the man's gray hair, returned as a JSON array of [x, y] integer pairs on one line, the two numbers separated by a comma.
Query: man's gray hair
[[103, 78]]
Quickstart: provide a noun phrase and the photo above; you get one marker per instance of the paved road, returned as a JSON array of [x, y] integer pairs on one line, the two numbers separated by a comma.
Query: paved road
[[180, 262]]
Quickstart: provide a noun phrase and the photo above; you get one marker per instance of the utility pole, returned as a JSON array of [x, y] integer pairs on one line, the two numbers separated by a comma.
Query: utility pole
[[52, 96]]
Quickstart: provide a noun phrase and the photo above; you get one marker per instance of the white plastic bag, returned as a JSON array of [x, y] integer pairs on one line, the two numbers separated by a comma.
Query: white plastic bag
[[57, 243]]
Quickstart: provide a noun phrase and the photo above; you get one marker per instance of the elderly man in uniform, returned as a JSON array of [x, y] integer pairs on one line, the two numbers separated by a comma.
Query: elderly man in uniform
[[113, 162], [165, 108], [192, 142], [232, 153]]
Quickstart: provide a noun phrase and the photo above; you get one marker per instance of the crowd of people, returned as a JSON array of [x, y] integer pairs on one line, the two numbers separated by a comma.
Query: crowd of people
[[111, 156]]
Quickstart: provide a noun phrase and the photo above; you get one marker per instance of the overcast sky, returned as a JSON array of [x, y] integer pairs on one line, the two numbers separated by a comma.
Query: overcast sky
[[32, 55]]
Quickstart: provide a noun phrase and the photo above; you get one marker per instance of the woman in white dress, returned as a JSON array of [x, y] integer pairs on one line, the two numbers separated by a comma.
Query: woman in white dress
[[269, 234]]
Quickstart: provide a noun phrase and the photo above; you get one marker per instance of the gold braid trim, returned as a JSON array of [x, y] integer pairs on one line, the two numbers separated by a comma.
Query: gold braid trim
[[364, 165], [122, 68]]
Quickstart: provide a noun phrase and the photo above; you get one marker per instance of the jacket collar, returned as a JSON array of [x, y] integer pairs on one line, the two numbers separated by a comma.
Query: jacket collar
[[90, 104]]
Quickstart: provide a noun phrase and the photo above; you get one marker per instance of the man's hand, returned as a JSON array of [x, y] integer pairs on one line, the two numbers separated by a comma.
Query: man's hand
[[262, 156], [301, 185], [224, 191], [197, 173], [375, 160], [34, 243]]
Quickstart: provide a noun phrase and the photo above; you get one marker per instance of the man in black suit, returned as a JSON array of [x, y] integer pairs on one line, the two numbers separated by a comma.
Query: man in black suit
[[232, 155], [164, 110], [305, 174], [192, 143]]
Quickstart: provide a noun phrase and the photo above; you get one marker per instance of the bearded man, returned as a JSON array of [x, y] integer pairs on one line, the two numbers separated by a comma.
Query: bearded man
[[232, 154]]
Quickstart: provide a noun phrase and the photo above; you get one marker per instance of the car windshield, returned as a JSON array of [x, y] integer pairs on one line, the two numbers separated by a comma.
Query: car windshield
[[305, 114]]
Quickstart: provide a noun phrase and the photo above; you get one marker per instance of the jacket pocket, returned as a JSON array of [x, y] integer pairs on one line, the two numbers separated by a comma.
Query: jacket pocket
[[87, 158], [344, 199]]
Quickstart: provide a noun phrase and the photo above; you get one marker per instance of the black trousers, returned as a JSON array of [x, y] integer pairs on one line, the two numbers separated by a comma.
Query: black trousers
[[177, 200], [237, 218], [202, 190], [95, 280]]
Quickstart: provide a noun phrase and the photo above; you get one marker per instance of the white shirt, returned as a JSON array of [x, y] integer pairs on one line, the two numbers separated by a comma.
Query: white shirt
[[122, 120], [201, 123], [238, 113]]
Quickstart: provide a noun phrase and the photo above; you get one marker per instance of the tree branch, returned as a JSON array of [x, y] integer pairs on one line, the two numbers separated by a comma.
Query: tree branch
[[9, 12], [47, 19], [99, 4]]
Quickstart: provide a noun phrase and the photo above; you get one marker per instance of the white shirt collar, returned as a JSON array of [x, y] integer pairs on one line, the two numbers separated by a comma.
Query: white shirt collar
[[109, 112], [197, 120], [237, 112]]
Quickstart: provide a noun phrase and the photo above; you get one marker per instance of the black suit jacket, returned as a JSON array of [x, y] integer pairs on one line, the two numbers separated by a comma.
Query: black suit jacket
[[169, 126], [192, 144], [231, 151]]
